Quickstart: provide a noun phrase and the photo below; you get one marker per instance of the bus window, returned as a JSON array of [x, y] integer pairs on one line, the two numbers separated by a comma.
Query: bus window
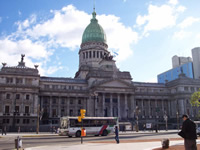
[[77, 123], [93, 123], [112, 122], [86, 123], [104, 122], [72, 123], [98, 123]]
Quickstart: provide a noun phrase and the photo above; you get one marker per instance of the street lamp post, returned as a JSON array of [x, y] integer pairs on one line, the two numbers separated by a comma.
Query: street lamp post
[[137, 118], [165, 118], [177, 115]]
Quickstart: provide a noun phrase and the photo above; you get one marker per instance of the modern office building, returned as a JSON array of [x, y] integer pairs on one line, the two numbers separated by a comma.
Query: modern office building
[[187, 65], [98, 86], [174, 73], [196, 62]]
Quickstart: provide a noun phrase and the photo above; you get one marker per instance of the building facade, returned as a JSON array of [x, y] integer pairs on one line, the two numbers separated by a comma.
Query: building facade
[[98, 86]]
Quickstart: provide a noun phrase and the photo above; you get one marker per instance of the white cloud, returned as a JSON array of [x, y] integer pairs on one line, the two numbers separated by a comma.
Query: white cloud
[[173, 2], [53, 69], [188, 22], [64, 29], [181, 35], [159, 17], [119, 37]]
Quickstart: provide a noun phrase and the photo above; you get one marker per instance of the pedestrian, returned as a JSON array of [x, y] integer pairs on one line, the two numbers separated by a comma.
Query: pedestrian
[[117, 134], [188, 132], [3, 131], [144, 127], [19, 129]]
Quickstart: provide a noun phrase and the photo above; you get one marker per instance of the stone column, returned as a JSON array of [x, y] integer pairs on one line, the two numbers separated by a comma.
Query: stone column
[[95, 104], [76, 106], [68, 99], [149, 107], [163, 107], [50, 107], [59, 109], [132, 106], [181, 107], [111, 105], [142, 107], [103, 103], [118, 105], [22, 105], [126, 106]]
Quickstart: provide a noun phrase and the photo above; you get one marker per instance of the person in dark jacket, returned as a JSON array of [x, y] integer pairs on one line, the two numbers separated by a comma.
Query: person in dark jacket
[[117, 134], [188, 132]]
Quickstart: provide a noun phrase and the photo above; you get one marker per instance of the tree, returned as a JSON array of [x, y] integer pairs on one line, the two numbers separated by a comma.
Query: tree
[[195, 99]]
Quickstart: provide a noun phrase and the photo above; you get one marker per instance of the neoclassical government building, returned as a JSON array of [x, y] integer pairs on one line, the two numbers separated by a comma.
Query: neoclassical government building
[[98, 86]]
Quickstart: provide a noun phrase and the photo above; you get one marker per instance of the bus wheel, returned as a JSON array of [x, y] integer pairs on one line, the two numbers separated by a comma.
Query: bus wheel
[[78, 133], [105, 133]]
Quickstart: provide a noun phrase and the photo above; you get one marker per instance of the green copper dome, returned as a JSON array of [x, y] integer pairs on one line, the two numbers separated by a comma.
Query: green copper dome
[[94, 32]]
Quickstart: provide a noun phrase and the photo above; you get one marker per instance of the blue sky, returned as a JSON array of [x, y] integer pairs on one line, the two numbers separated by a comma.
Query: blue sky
[[145, 34]]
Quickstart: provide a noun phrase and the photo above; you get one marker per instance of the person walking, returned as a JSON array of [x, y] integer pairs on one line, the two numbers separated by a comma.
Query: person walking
[[117, 134], [188, 132]]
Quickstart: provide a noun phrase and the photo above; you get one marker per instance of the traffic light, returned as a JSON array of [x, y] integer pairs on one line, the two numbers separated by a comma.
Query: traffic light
[[83, 113], [79, 118]]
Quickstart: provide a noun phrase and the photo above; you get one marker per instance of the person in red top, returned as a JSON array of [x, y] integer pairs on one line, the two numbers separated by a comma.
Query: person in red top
[[188, 132]]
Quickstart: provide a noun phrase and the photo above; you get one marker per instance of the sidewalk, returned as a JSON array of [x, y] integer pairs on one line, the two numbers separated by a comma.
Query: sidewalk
[[109, 146]]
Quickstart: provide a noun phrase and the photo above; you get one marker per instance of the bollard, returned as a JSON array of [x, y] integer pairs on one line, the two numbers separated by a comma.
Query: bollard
[[165, 143], [18, 143]]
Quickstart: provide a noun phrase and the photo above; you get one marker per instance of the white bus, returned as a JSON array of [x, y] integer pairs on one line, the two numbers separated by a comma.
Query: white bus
[[70, 126]]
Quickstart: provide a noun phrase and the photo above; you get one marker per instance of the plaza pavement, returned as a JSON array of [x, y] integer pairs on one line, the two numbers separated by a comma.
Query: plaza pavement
[[147, 145]]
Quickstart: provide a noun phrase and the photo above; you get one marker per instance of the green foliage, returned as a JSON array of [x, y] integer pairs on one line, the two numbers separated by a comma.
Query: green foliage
[[195, 99]]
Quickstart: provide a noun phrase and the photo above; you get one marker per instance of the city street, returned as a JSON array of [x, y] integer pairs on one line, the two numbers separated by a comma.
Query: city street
[[47, 139]]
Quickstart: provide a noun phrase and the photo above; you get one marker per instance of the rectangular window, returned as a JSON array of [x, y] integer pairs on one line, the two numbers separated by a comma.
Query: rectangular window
[[9, 80], [17, 96], [97, 54], [17, 121], [54, 112], [54, 100], [18, 80], [28, 81], [71, 112], [71, 101], [107, 100], [79, 101], [63, 101], [17, 109], [7, 96], [27, 97], [114, 100], [46, 86], [26, 109], [7, 111]]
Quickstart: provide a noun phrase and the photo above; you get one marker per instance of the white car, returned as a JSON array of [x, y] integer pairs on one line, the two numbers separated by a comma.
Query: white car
[[198, 131]]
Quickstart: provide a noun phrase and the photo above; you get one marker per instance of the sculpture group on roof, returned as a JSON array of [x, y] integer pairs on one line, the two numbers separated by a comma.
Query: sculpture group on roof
[[107, 56]]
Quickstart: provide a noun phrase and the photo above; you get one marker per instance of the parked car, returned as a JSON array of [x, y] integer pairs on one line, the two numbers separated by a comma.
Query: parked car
[[198, 131]]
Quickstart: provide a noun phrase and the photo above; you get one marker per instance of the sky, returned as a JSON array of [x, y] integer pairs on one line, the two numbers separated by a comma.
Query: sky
[[145, 34]]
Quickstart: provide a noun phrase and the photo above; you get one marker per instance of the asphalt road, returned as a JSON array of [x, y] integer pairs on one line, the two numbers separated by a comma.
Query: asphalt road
[[7, 142]]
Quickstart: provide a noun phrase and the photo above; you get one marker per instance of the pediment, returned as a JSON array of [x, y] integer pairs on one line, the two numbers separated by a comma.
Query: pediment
[[115, 84]]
